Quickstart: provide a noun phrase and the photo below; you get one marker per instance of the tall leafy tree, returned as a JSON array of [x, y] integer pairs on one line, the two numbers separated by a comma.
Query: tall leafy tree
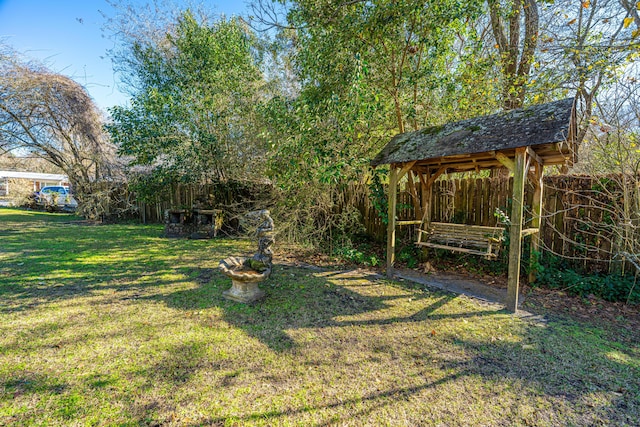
[[369, 69], [401, 51], [366, 70], [586, 48], [194, 98]]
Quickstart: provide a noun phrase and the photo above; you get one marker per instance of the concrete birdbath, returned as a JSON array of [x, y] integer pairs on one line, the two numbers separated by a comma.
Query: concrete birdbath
[[244, 280], [246, 273]]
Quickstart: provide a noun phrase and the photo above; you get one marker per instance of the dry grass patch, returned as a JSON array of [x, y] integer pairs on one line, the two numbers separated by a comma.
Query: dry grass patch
[[115, 325]]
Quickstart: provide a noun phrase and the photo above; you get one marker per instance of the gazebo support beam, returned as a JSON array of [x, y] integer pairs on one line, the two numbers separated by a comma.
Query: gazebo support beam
[[395, 175], [515, 233], [506, 162], [534, 156]]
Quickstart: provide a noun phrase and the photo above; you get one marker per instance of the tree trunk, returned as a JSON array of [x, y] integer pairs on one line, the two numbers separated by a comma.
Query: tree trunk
[[515, 59]]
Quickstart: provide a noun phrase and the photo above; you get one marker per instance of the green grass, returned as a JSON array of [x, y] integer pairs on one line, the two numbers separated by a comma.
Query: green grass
[[115, 325]]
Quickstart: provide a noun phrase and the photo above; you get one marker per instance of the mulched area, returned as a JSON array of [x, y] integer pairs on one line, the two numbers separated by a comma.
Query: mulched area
[[553, 302], [556, 303], [592, 309]]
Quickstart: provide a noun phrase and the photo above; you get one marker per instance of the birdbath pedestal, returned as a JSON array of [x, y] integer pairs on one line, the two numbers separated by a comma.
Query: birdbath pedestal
[[247, 272], [244, 281]]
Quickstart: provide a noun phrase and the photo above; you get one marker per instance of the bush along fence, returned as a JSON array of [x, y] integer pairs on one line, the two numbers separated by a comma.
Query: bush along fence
[[233, 198], [116, 201], [590, 223]]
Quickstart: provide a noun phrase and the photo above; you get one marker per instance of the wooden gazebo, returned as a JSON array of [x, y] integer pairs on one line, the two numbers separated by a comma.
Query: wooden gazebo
[[524, 141]]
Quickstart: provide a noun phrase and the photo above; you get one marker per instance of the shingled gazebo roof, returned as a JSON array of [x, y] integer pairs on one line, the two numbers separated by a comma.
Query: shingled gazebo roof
[[548, 129]]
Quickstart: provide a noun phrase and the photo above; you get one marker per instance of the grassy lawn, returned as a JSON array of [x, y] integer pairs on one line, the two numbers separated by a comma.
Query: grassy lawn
[[115, 325]]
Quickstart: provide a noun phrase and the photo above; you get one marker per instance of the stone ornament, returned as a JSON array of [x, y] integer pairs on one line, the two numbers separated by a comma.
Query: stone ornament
[[247, 272]]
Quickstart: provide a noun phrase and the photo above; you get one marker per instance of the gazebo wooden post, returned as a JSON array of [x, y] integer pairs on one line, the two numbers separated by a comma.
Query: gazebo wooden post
[[391, 224], [395, 175], [536, 221], [515, 234]]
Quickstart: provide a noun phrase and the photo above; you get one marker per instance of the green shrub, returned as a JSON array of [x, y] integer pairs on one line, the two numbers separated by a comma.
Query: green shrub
[[409, 255], [362, 255], [611, 287]]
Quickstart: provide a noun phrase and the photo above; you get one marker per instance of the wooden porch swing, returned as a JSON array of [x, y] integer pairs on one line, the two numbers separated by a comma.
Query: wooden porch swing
[[481, 240], [523, 141]]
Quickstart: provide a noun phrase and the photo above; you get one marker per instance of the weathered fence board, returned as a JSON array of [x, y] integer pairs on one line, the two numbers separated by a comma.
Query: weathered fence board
[[581, 218], [577, 224], [232, 196]]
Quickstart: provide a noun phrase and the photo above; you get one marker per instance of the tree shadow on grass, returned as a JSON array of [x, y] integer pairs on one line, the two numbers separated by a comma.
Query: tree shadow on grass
[[533, 374], [290, 303], [176, 365], [39, 265], [370, 401], [24, 386], [297, 298], [551, 361], [21, 383]]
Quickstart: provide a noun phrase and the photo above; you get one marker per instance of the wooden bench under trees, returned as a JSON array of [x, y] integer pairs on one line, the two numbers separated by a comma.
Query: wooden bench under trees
[[472, 239]]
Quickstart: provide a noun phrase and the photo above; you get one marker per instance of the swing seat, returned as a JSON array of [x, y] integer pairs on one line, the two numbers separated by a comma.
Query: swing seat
[[471, 239]]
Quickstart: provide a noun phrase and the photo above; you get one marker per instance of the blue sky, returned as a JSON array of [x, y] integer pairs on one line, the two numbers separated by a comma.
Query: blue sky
[[67, 35]]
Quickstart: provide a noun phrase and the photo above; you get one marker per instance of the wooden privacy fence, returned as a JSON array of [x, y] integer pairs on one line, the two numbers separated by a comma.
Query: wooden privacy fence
[[461, 201], [588, 221], [232, 196]]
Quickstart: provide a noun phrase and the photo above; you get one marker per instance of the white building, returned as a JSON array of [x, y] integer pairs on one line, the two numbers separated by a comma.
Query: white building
[[38, 180]]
